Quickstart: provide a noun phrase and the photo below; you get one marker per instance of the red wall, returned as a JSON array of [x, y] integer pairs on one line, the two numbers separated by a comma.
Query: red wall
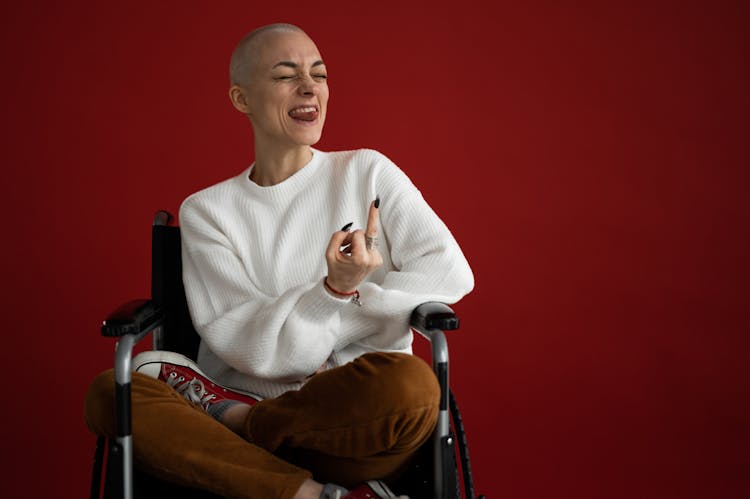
[[591, 160]]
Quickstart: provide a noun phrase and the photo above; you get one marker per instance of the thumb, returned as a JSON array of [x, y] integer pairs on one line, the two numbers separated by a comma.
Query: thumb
[[338, 240]]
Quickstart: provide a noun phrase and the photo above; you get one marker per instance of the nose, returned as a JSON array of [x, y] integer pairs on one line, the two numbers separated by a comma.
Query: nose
[[308, 86]]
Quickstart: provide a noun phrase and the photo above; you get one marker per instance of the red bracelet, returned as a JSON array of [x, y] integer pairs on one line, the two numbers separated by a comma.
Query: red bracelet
[[354, 294], [330, 288]]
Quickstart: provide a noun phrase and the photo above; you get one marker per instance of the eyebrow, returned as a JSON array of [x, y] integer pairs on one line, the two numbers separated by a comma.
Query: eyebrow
[[294, 65]]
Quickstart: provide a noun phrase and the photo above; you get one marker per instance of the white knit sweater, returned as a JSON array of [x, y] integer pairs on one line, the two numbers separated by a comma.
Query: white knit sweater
[[254, 262]]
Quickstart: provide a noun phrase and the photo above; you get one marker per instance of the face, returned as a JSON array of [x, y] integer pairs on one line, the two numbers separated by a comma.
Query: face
[[287, 94]]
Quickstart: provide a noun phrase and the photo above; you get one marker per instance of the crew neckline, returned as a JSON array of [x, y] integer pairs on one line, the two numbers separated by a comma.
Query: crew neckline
[[287, 187]]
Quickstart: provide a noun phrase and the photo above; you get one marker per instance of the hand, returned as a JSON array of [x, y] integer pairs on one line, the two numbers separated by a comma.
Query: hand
[[346, 270]]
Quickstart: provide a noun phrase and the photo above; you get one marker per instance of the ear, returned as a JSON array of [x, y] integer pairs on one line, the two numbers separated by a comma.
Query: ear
[[238, 98]]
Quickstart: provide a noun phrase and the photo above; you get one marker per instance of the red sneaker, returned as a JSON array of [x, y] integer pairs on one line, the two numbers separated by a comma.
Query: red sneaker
[[373, 489], [184, 376]]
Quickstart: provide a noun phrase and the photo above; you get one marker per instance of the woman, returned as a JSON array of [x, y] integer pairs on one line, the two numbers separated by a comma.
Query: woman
[[295, 309]]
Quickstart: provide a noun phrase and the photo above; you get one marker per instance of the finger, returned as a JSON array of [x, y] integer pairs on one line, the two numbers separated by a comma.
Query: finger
[[358, 247], [361, 254], [372, 218], [346, 244], [338, 239], [376, 260], [347, 240]]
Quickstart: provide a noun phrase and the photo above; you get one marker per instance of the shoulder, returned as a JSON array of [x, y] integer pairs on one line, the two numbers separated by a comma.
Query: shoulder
[[210, 199], [362, 161], [374, 172]]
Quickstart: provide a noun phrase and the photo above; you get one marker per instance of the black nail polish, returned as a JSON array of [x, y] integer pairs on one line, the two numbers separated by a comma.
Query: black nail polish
[[377, 202], [346, 227]]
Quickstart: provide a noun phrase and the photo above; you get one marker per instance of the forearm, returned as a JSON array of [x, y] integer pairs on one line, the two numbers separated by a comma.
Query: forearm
[[283, 338]]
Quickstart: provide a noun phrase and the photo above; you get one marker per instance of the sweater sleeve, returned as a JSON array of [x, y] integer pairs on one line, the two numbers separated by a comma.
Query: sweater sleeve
[[281, 338], [428, 264]]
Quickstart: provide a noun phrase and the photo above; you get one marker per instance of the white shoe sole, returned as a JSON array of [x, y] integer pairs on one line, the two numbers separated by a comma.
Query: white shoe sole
[[382, 490], [149, 363]]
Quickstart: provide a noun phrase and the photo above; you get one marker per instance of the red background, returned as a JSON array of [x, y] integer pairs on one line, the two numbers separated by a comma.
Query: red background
[[592, 160]]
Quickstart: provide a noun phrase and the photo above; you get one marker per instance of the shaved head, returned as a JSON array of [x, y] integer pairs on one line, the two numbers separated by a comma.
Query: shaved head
[[246, 53]]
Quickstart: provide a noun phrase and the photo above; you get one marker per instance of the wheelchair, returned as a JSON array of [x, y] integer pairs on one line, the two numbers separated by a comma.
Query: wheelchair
[[434, 472]]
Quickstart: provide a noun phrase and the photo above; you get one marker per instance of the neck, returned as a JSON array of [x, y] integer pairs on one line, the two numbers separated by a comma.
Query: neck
[[274, 165]]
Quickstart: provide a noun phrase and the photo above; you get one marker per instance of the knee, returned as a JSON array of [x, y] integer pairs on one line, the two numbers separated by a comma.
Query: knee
[[99, 404], [410, 390], [406, 379]]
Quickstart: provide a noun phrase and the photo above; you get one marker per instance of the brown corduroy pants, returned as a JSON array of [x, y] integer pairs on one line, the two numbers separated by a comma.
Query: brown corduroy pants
[[360, 421]]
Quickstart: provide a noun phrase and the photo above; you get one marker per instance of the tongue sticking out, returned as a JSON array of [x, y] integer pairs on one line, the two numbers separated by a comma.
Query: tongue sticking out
[[304, 115]]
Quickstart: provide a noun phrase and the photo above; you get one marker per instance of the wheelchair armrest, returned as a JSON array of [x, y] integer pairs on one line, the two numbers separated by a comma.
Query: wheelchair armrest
[[130, 323], [433, 315], [133, 317], [430, 320]]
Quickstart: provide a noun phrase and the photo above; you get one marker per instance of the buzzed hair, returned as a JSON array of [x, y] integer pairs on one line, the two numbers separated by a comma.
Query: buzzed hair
[[242, 58]]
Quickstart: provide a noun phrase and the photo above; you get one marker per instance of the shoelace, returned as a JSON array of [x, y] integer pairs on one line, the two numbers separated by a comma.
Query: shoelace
[[193, 390]]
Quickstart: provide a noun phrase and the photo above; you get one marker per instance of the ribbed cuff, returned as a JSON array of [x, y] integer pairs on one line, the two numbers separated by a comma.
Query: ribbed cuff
[[319, 305]]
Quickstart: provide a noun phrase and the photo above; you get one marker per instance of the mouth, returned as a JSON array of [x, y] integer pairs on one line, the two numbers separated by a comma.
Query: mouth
[[304, 113]]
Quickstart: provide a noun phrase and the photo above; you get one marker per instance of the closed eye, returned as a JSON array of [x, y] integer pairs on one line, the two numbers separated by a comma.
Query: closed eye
[[291, 77]]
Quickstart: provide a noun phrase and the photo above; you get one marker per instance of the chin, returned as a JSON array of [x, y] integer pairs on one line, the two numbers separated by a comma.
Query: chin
[[309, 139]]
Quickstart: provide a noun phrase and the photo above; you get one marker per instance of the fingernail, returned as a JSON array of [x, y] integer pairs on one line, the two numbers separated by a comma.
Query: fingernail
[[346, 227], [377, 202]]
